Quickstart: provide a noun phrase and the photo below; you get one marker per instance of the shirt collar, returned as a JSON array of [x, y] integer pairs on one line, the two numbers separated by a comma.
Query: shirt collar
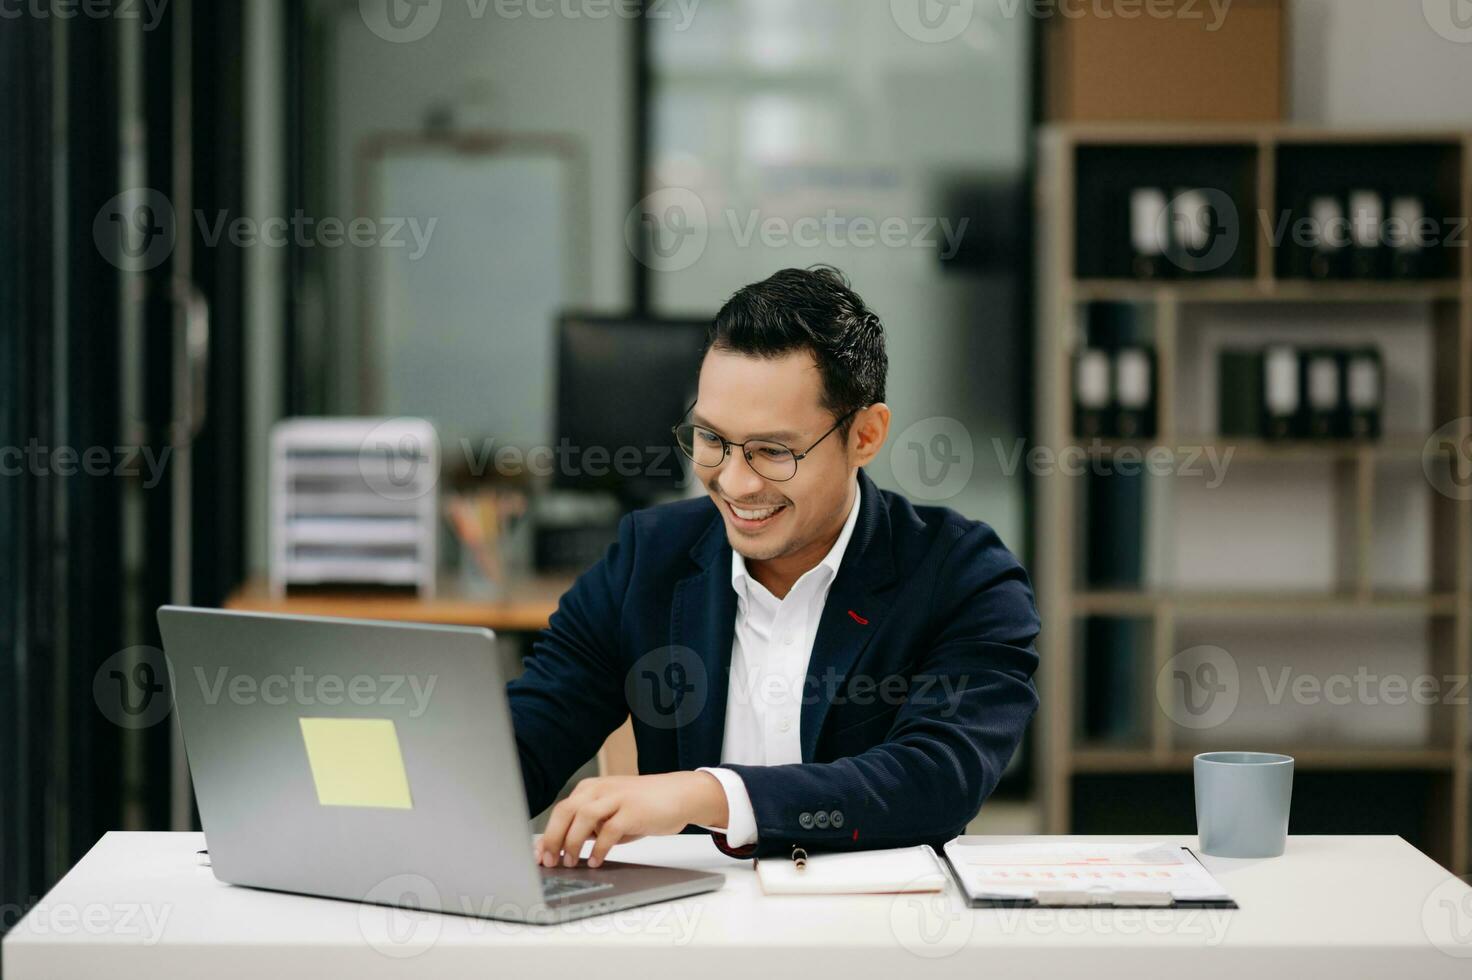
[[741, 578]]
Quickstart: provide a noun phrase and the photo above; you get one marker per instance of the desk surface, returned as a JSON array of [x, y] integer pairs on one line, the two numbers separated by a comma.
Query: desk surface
[[526, 605], [138, 907]]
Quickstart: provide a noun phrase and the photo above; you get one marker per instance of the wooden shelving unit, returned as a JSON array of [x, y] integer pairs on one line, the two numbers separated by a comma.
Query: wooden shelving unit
[[1445, 607]]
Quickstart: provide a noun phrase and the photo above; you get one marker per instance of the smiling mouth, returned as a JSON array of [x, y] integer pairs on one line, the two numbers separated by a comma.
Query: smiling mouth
[[749, 518]]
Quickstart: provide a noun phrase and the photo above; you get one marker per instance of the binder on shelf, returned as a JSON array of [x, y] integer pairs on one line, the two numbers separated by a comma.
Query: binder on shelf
[[1328, 237], [1301, 246], [1322, 385], [1282, 392], [1111, 712], [1281, 395], [1366, 222], [1364, 392], [1149, 232], [1239, 392], [1404, 233], [1091, 394], [1134, 393], [1115, 560], [1192, 227]]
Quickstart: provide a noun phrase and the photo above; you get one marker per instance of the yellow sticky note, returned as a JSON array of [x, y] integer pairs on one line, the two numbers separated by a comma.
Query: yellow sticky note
[[356, 762]]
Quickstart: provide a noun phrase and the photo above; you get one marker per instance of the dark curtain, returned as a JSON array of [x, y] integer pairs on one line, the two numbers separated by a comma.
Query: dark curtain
[[71, 596], [27, 577]]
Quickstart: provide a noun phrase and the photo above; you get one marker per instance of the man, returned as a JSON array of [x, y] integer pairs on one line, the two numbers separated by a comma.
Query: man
[[809, 661]]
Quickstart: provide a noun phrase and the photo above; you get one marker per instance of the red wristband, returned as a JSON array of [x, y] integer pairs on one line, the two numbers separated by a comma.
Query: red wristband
[[726, 849]]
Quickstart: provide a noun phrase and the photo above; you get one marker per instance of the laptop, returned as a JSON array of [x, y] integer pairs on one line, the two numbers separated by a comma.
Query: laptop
[[374, 762]]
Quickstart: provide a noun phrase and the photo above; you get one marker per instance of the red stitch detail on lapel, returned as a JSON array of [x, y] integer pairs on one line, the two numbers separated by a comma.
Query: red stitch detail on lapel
[[858, 619], [856, 835]]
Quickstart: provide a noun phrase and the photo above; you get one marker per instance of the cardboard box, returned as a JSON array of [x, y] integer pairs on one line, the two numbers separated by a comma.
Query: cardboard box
[[1164, 60]]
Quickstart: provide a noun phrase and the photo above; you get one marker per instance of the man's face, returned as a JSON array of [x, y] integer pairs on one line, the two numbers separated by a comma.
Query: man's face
[[777, 399]]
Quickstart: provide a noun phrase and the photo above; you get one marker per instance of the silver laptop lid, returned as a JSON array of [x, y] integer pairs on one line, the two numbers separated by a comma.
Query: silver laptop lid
[[352, 758]]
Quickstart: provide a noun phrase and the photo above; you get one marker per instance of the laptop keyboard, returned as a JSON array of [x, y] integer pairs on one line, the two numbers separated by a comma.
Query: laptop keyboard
[[554, 888]]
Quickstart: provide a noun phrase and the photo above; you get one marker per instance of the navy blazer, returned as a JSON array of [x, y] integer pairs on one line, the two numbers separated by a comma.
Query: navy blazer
[[918, 689]]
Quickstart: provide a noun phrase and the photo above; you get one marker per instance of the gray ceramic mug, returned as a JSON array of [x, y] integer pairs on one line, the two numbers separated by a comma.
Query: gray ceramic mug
[[1242, 802]]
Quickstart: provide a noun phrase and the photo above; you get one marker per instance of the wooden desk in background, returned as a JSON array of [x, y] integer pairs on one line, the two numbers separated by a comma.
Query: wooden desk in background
[[524, 608]]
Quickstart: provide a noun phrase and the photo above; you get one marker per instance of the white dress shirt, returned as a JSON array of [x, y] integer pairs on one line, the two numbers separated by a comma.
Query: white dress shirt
[[770, 650]]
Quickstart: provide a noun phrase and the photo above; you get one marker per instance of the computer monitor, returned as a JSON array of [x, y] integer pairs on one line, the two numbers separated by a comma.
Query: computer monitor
[[622, 382]]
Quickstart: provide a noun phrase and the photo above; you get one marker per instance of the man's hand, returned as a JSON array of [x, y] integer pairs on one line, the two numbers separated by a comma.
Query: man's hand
[[614, 809]]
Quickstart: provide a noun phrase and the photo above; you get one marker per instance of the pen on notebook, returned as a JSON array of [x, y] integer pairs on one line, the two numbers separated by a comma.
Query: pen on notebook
[[799, 858]]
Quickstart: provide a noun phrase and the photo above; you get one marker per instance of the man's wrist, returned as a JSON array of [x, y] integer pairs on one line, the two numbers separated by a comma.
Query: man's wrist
[[708, 801]]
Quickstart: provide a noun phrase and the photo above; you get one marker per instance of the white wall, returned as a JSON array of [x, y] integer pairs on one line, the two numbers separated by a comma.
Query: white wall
[[570, 76], [1380, 62]]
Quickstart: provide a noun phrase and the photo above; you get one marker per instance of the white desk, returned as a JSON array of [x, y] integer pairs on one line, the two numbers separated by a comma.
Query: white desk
[[138, 907]]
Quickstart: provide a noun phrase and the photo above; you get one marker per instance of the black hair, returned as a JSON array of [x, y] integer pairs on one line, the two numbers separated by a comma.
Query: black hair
[[815, 310]]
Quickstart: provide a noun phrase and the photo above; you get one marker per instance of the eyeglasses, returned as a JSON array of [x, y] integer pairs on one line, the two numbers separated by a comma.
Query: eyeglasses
[[769, 460]]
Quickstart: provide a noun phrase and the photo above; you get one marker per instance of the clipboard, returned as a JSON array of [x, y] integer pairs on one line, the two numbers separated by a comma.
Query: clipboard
[[1083, 875]]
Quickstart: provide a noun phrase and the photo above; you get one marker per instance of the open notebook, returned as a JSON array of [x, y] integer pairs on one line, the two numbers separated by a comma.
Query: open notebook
[[900, 869]]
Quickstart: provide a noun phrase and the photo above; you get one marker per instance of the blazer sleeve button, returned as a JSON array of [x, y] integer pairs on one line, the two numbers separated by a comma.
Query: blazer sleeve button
[[805, 820], [820, 819], [836, 819]]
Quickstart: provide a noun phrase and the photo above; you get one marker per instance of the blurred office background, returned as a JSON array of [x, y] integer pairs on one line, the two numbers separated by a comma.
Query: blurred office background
[[512, 219]]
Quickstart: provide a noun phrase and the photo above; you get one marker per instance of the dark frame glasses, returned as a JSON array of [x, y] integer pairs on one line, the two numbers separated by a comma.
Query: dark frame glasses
[[774, 456]]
